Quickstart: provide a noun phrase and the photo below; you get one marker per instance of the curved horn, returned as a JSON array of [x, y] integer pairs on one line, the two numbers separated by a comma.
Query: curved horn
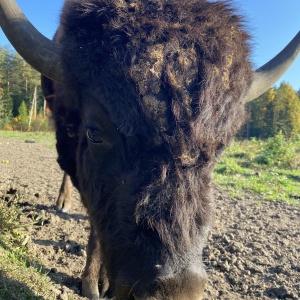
[[268, 74], [41, 53]]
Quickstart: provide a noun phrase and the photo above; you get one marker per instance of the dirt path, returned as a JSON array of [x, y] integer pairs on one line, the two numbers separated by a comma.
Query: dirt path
[[253, 251]]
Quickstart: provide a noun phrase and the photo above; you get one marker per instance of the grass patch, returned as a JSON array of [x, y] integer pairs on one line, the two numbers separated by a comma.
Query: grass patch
[[269, 169], [19, 279], [45, 138], [21, 275]]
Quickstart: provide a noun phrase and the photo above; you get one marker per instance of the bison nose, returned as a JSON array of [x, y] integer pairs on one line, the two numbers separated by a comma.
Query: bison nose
[[186, 285]]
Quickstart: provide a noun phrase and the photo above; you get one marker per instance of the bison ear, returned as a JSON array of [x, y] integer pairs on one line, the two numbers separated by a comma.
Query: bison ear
[[268, 74]]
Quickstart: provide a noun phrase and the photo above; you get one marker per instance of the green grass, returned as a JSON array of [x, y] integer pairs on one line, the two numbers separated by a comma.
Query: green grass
[[258, 167], [19, 279], [45, 138], [21, 275]]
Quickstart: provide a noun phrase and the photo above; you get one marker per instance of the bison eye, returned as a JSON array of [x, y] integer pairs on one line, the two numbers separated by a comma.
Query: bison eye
[[94, 136]]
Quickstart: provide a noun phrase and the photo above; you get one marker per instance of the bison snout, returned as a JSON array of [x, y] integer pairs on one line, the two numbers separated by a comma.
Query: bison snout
[[186, 285]]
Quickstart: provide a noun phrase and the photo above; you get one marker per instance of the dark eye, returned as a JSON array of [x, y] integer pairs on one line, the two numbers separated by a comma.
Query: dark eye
[[94, 135]]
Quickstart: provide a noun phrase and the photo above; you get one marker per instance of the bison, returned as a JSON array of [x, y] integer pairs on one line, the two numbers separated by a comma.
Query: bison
[[146, 95]]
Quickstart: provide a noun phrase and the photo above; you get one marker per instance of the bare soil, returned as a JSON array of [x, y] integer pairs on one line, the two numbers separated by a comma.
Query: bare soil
[[253, 251]]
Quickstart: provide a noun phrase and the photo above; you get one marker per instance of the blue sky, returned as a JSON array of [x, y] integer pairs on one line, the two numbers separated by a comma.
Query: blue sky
[[273, 23]]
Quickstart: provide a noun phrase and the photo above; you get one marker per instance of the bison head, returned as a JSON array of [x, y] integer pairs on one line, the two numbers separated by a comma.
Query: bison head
[[158, 101]]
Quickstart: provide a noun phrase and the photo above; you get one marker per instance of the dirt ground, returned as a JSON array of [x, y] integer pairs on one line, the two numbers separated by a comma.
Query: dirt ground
[[253, 251]]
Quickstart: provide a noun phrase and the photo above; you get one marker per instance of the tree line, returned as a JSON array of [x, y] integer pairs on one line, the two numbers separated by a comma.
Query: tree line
[[22, 103], [275, 111], [21, 98]]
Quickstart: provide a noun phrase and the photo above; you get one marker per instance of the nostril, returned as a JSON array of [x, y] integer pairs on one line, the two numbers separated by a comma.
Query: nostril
[[134, 297]]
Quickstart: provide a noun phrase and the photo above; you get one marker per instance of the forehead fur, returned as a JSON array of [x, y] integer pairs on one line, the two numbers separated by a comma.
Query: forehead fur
[[171, 69]]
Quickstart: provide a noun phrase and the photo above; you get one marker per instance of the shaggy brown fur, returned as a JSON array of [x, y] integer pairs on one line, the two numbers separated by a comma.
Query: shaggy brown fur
[[170, 76]]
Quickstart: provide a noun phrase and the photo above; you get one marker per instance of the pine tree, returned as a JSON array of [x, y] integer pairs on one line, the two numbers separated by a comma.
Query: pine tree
[[6, 68], [23, 116], [261, 113]]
